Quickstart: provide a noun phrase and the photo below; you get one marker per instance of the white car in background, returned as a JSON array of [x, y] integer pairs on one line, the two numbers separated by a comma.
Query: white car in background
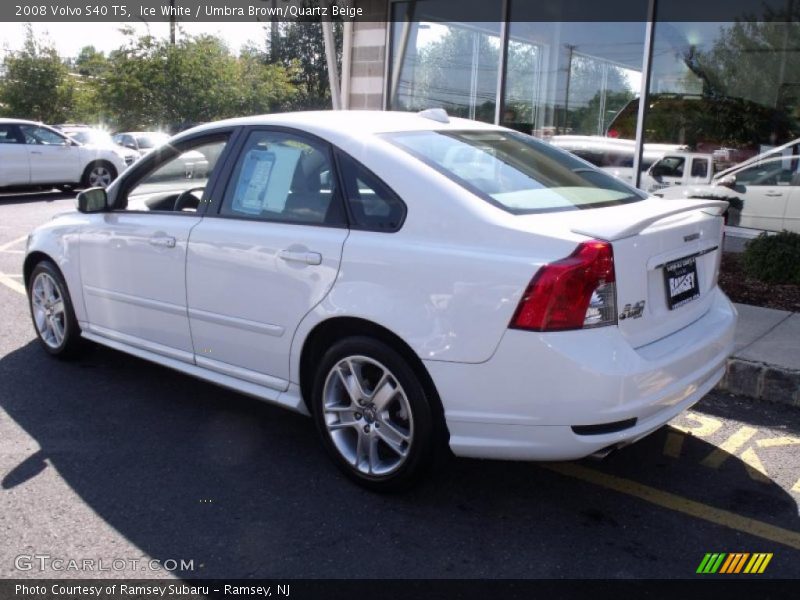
[[767, 188], [352, 266], [613, 155], [33, 154], [193, 165], [141, 141]]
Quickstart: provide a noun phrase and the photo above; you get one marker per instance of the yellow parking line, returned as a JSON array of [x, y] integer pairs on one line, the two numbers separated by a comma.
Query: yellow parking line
[[778, 441], [10, 283], [705, 427], [673, 444], [12, 243], [729, 447], [755, 468], [679, 504]]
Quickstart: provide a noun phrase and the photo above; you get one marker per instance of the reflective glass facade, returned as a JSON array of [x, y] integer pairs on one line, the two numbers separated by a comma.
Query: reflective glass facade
[[717, 93]]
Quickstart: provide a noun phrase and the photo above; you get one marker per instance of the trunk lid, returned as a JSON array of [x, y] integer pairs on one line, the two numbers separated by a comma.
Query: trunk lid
[[650, 238]]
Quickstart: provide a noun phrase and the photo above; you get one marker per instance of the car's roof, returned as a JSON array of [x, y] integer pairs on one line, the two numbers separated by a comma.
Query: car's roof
[[350, 123], [76, 128], [7, 121], [141, 133]]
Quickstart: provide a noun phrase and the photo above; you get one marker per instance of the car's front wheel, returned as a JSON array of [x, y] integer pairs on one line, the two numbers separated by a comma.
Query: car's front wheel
[[51, 309], [99, 174], [373, 414]]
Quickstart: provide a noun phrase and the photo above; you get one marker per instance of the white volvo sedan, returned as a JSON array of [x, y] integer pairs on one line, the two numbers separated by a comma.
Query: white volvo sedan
[[412, 281]]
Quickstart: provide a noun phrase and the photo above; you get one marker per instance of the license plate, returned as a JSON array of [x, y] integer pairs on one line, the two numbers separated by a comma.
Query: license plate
[[680, 280]]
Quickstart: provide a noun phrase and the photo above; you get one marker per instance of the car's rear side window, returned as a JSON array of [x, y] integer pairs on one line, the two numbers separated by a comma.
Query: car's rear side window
[[515, 172], [372, 204]]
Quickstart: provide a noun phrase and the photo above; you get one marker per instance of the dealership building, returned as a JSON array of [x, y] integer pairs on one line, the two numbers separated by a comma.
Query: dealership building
[[720, 78]]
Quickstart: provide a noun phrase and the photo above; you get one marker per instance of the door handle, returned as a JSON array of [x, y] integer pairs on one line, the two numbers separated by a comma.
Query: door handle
[[309, 258], [35, 152], [163, 241], [774, 194]]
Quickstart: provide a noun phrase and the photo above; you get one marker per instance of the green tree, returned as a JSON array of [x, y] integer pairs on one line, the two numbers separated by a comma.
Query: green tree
[[263, 87], [151, 83], [300, 49], [90, 62], [36, 83]]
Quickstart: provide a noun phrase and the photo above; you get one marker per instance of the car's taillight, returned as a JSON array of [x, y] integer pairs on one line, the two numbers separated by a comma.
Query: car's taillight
[[576, 292]]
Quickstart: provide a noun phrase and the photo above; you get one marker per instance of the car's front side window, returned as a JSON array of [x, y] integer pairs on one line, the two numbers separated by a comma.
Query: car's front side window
[[176, 184], [42, 136], [773, 171], [285, 177], [9, 134]]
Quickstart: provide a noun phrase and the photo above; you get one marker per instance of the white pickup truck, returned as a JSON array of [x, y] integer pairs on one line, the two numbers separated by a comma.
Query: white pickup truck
[[764, 190], [678, 169]]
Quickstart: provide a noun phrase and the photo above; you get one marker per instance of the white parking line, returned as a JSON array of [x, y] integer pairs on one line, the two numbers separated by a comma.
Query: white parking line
[[7, 245], [7, 281]]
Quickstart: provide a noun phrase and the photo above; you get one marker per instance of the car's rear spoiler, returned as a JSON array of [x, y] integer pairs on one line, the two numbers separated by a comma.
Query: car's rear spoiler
[[640, 215]]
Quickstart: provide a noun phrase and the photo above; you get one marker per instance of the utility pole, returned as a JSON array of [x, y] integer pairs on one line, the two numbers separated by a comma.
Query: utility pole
[[571, 49], [172, 22], [273, 33]]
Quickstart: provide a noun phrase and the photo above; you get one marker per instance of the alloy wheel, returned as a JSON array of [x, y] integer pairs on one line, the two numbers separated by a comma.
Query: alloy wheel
[[368, 416], [49, 313], [99, 176]]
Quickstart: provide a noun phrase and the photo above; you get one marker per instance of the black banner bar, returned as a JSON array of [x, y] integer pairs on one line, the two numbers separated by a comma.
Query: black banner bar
[[382, 10], [734, 586]]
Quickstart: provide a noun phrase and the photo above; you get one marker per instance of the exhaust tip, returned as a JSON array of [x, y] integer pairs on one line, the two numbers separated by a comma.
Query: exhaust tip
[[604, 452]]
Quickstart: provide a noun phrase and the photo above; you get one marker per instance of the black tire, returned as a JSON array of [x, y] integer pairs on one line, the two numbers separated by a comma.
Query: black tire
[[425, 445], [86, 180], [71, 344]]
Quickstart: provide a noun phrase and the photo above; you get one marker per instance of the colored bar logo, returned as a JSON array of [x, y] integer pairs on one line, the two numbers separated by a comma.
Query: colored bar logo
[[734, 563]]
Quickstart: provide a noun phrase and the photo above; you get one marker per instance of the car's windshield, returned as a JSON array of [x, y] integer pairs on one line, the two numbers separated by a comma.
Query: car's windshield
[[91, 136], [151, 140], [514, 171]]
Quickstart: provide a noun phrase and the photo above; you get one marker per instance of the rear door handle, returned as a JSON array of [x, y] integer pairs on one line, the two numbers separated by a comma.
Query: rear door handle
[[35, 152], [163, 241], [309, 258], [774, 194]]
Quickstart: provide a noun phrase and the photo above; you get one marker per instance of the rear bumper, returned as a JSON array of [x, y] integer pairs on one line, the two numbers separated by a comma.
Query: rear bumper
[[523, 402]]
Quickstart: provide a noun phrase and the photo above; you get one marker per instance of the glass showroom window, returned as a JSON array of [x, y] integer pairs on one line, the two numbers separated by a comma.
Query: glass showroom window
[[566, 81], [726, 93], [436, 64]]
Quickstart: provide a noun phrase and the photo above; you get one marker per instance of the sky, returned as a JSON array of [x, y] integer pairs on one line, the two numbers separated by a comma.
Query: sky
[[69, 38]]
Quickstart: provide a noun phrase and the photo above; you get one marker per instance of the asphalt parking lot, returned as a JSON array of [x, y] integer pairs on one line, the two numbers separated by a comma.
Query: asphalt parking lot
[[110, 457]]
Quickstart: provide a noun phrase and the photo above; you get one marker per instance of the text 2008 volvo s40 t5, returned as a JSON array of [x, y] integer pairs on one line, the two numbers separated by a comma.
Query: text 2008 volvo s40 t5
[[412, 281]]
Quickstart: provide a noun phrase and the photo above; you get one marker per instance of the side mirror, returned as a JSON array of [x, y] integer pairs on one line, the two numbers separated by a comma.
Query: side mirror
[[130, 145], [92, 200], [728, 181]]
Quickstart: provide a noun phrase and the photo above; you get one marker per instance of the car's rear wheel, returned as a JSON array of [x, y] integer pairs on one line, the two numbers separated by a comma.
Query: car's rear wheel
[[52, 312], [373, 414], [99, 174]]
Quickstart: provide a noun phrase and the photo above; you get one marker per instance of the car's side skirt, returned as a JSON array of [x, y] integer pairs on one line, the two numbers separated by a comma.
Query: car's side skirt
[[289, 397]]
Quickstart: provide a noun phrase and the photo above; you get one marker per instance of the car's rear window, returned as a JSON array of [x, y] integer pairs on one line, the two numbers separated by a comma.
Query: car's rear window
[[515, 172]]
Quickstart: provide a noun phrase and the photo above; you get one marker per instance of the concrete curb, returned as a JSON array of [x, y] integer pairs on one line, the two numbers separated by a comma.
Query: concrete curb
[[761, 381]]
